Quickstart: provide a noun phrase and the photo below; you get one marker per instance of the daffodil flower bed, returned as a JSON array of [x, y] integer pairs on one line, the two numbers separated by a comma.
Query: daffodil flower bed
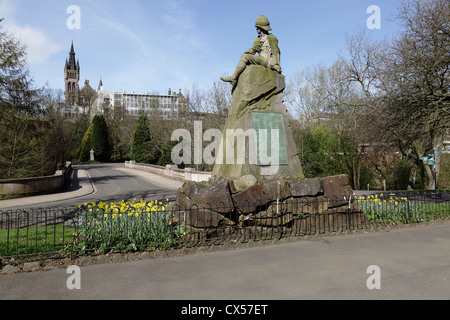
[[388, 209], [124, 224]]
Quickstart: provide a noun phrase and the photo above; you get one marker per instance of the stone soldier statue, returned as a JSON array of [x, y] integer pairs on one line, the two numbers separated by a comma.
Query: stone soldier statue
[[266, 44]]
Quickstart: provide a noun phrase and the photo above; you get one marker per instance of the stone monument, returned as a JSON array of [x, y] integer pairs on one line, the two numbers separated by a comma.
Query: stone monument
[[257, 127], [257, 164]]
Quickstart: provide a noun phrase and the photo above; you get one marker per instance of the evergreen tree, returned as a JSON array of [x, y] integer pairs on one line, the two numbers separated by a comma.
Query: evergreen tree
[[141, 141], [100, 139], [85, 148]]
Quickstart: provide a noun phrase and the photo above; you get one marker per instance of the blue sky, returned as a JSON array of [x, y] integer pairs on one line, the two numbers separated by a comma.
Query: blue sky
[[151, 46]]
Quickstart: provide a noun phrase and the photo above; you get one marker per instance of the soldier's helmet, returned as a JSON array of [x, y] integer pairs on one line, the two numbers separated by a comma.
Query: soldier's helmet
[[263, 23]]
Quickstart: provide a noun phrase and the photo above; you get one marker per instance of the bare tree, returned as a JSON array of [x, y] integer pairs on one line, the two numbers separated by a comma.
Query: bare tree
[[326, 95], [415, 79], [301, 100], [217, 102]]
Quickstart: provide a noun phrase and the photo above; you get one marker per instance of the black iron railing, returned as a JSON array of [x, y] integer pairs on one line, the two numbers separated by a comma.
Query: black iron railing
[[164, 224]]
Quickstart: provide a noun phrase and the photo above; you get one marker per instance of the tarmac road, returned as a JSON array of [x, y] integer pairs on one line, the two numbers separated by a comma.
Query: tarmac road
[[101, 182], [413, 262]]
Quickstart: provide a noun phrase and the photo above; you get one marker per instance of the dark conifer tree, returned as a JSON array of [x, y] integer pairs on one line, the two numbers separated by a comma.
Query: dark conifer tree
[[141, 141], [100, 139]]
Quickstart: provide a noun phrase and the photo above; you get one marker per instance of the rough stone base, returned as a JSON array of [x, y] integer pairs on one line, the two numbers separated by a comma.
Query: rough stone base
[[268, 203]]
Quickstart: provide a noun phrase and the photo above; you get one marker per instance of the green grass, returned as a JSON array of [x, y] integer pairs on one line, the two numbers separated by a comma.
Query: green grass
[[35, 240]]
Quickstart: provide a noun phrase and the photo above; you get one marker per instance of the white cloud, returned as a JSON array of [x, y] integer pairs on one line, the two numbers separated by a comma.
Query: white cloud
[[39, 47]]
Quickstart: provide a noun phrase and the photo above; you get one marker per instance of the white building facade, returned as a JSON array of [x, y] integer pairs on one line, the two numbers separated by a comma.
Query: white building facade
[[165, 106]]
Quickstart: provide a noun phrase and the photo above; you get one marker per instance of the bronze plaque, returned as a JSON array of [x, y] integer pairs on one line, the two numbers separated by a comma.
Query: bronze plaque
[[270, 121]]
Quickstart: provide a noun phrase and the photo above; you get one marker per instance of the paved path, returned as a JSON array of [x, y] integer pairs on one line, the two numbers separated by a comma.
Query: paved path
[[414, 264]]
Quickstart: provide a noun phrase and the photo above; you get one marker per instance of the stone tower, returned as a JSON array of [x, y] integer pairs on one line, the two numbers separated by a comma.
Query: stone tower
[[71, 79]]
